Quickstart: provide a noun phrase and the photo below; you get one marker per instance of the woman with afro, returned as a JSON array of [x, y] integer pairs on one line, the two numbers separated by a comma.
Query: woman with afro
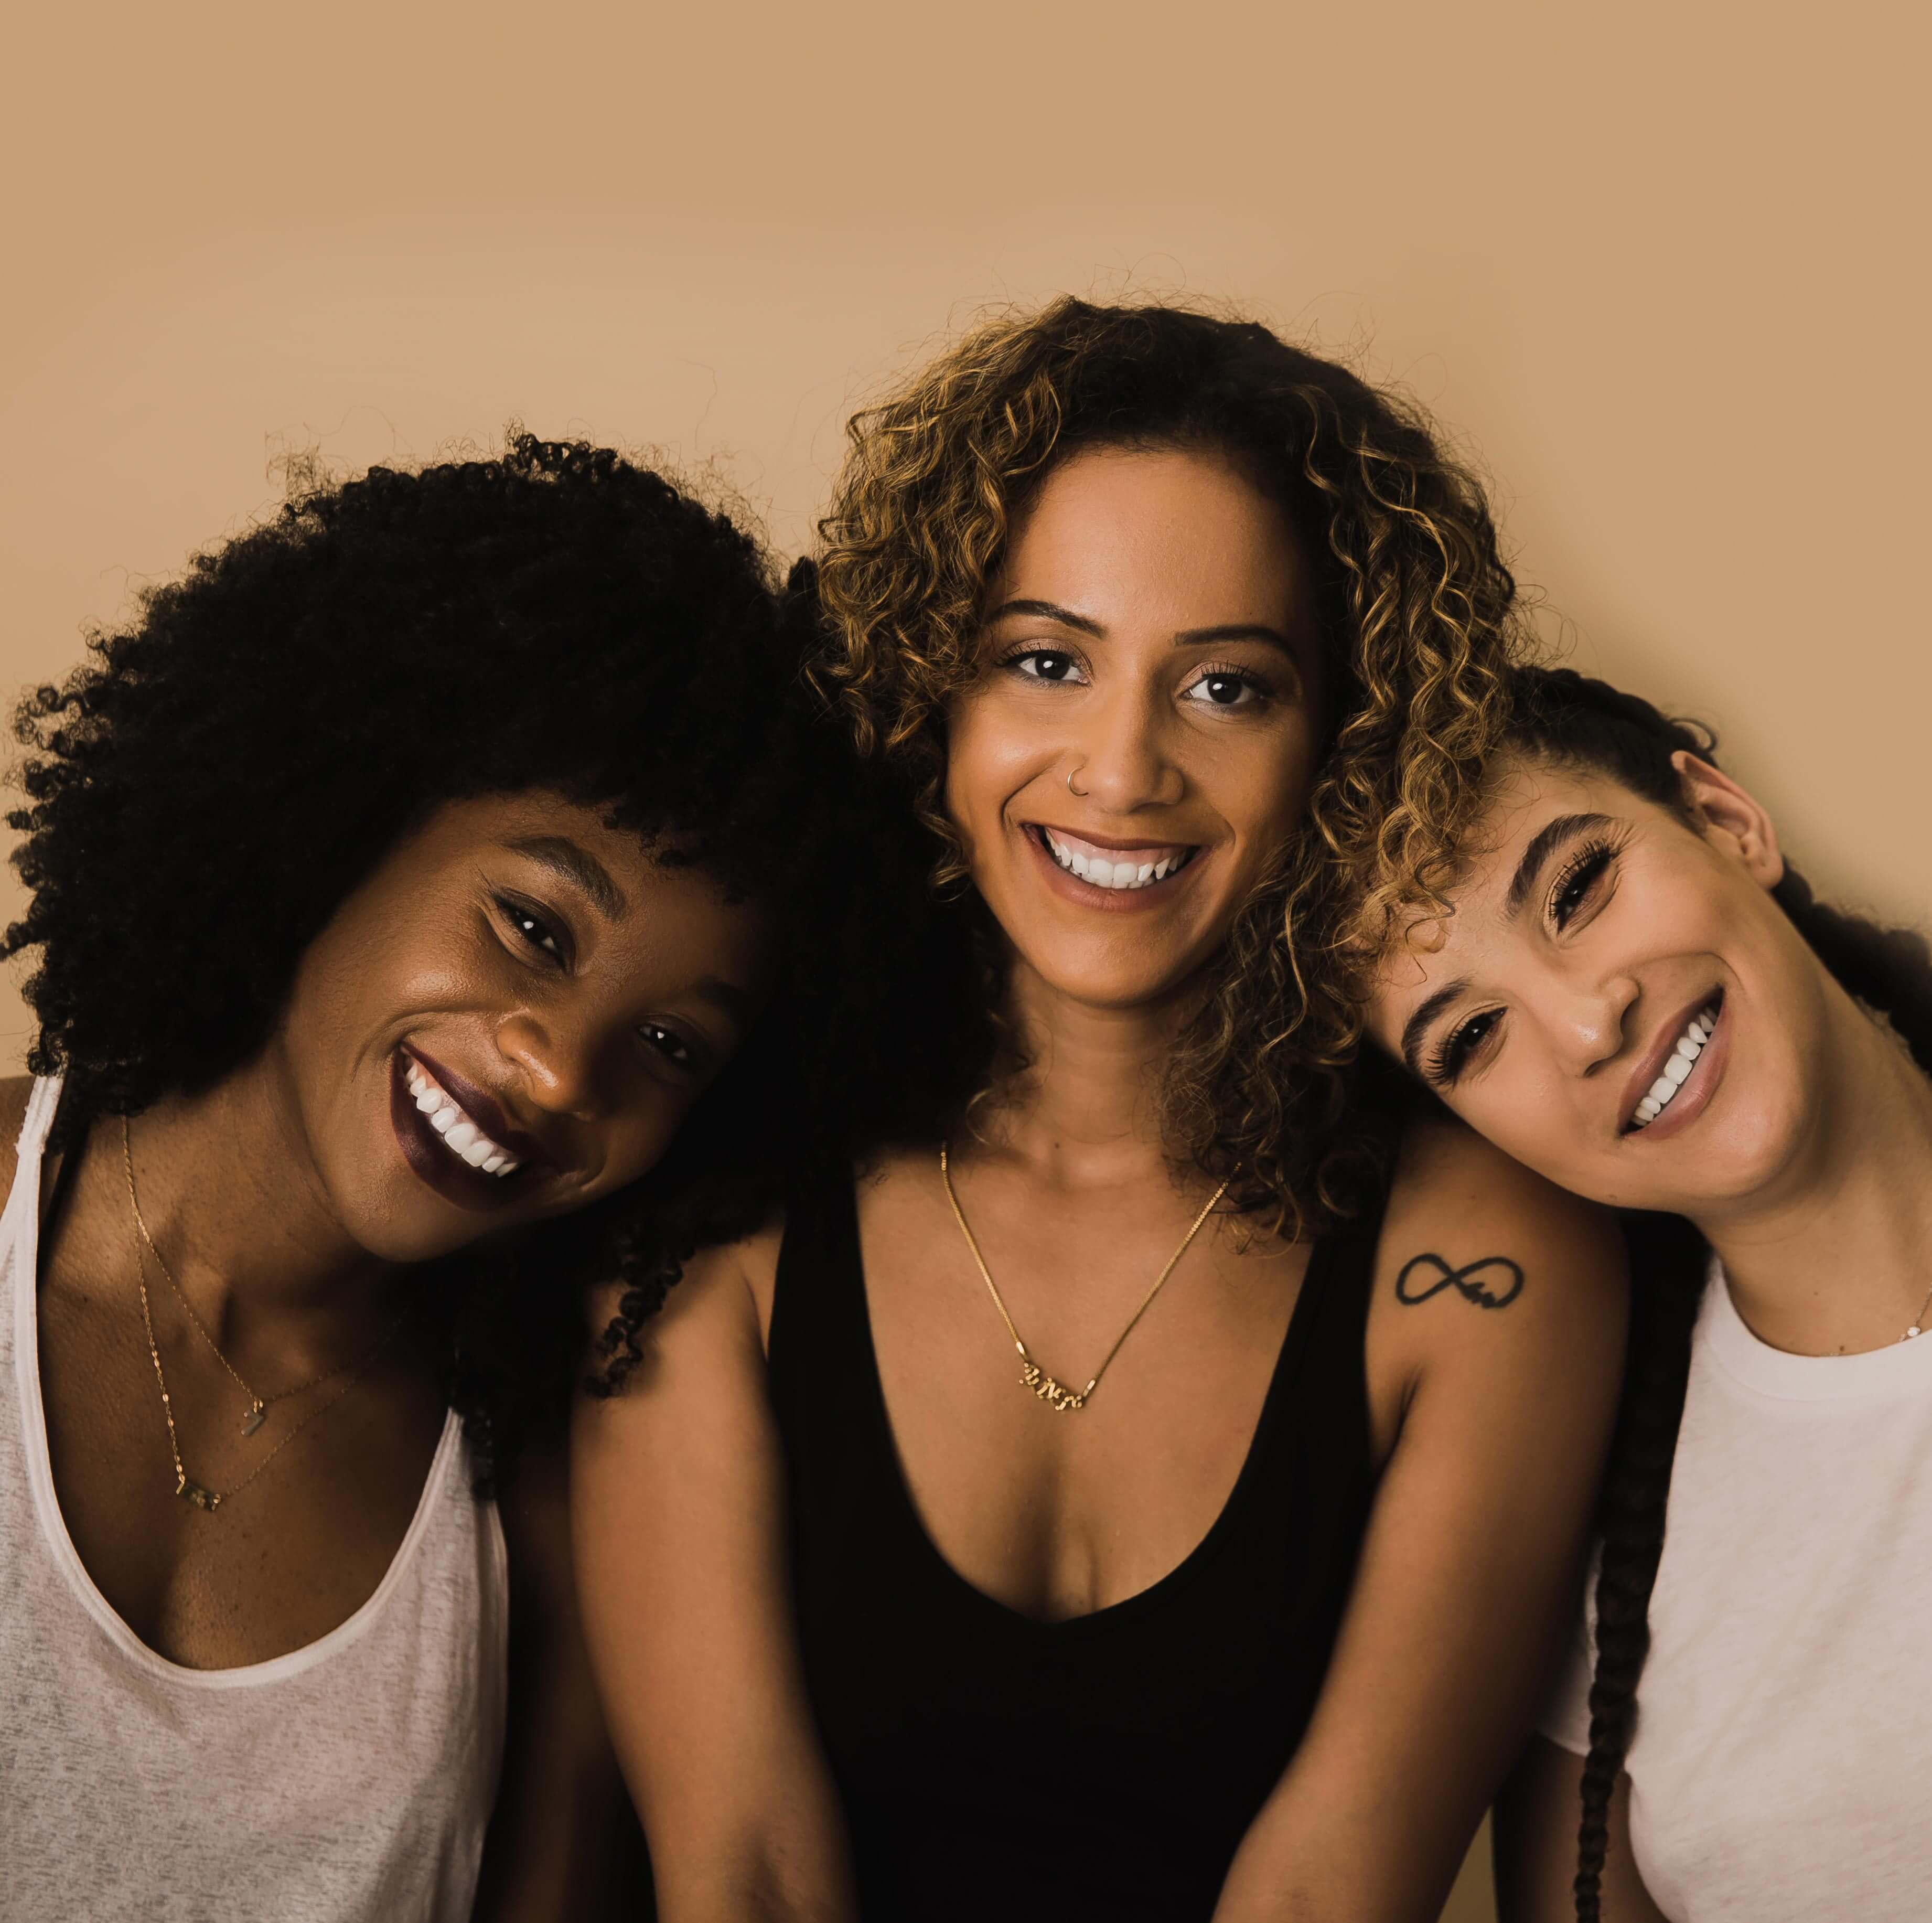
[[419, 887]]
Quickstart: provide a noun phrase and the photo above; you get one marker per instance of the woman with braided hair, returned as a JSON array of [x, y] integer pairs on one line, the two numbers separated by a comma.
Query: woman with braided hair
[[1633, 992], [1113, 1496]]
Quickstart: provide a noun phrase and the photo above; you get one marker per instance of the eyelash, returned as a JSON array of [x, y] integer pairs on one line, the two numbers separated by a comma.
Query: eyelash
[[1226, 671], [662, 1039], [1584, 869], [553, 942], [670, 1045]]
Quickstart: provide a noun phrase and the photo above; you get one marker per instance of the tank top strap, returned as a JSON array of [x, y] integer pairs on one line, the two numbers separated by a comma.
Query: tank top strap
[[820, 1325]]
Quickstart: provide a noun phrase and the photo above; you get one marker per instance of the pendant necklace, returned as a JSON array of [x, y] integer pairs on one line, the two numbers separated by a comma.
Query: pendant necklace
[[1917, 1321], [198, 1495], [1055, 1394], [257, 1412]]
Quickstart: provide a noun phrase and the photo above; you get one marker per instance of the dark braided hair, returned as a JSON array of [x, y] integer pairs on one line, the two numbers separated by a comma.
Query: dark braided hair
[[1561, 717], [203, 793]]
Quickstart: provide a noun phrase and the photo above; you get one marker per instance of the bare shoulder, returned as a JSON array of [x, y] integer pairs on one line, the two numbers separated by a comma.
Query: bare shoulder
[[1486, 1269]]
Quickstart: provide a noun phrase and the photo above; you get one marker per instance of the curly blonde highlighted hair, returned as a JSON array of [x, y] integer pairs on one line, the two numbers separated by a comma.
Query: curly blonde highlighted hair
[[1418, 612]]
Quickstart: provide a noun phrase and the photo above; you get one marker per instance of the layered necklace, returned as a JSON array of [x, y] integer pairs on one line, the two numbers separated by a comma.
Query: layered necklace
[[1054, 1393], [189, 1491]]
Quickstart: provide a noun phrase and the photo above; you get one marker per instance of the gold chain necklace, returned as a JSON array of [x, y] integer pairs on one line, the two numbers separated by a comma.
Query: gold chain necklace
[[1055, 1394], [257, 1412], [197, 1494]]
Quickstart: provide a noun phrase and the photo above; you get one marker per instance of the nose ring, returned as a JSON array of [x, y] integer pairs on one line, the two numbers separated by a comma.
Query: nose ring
[[1071, 789]]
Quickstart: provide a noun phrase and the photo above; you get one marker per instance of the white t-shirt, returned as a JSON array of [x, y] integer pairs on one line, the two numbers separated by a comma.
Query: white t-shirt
[[1782, 1759]]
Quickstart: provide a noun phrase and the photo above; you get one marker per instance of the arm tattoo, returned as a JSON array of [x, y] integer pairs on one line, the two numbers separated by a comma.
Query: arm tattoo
[[1462, 1281]]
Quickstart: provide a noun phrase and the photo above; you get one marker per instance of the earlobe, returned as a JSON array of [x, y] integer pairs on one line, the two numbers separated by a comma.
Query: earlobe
[[1734, 815]]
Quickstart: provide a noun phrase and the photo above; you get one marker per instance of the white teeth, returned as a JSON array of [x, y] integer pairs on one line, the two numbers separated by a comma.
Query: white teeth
[[460, 1134], [1677, 1067], [1101, 872]]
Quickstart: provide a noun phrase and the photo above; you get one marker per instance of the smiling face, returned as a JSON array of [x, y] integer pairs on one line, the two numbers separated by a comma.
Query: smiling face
[[1617, 1001], [1143, 737], [508, 1019]]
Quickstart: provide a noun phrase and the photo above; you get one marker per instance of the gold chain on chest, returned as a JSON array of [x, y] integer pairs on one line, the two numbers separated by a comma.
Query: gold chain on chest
[[1048, 1388]]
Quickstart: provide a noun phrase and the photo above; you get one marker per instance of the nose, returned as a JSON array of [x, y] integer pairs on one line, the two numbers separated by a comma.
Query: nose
[[1588, 1020], [1125, 760], [557, 1060]]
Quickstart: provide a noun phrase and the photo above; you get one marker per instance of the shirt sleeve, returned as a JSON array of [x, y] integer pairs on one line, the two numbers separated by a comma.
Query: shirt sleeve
[[1565, 1720]]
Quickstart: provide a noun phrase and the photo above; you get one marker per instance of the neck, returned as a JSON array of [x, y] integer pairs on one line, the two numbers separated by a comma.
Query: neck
[[1084, 1111], [229, 1189], [1832, 1256]]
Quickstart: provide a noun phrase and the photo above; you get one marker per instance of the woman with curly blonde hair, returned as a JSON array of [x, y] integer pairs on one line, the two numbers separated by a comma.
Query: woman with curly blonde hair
[[1148, 1485]]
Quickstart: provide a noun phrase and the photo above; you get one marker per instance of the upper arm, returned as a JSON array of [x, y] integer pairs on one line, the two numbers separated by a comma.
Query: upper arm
[[1494, 1421], [16, 1091], [1536, 1844], [562, 1840], [678, 1514]]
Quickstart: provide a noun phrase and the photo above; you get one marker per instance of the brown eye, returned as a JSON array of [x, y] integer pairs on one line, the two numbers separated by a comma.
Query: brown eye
[[673, 1047], [1226, 688], [1573, 889], [1458, 1047], [1043, 664], [534, 929]]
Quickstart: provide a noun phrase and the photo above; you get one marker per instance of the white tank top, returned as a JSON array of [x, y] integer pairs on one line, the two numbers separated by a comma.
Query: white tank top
[[1784, 1730], [349, 1780]]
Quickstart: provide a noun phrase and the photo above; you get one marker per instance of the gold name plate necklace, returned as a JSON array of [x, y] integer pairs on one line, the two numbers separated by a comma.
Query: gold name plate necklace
[[1055, 1393]]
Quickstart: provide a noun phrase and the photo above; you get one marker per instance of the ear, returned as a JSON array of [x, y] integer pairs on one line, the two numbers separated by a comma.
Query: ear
[[1735, 819]]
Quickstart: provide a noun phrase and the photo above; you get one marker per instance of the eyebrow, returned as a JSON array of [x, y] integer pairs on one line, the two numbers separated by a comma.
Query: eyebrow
[[1414, 1029], [1544, 844], [1052, 611], [565, 859], [728, 997]]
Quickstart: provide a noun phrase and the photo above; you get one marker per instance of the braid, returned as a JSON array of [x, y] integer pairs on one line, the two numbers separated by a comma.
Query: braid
[[1668, 1258], [1569, 719]]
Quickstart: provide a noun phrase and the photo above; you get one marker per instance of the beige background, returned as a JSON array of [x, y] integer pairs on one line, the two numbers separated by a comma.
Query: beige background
[[1661, 265]]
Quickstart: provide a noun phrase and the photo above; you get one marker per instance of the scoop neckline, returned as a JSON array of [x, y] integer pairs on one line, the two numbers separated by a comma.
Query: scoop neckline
[[1294, 1340], [20, 1237]]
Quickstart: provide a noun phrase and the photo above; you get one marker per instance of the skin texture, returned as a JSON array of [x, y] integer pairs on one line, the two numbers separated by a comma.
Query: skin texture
[[1474, 1548], [1799, 1150], [284, 1203]]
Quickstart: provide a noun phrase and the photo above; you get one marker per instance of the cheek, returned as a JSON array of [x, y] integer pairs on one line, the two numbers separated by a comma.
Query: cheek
[[992, 750], [1262, 791]]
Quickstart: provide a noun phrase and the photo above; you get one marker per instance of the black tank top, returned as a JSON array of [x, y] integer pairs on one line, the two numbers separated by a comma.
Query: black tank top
[[990, 1762]]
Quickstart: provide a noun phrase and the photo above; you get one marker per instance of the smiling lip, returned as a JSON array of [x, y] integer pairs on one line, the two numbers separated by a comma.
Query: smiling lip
[[1141, 853], [429, 1158], [1694, 1096]]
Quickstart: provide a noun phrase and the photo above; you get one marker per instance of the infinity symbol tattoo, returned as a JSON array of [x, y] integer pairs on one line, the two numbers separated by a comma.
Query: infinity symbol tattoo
[[1462, 1281]]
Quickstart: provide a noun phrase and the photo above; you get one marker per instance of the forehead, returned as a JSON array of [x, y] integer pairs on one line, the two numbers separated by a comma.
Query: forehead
[[1157, 528]]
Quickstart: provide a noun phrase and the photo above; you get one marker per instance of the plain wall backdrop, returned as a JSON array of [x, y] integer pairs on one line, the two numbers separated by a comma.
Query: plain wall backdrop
[[1661, 267]]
